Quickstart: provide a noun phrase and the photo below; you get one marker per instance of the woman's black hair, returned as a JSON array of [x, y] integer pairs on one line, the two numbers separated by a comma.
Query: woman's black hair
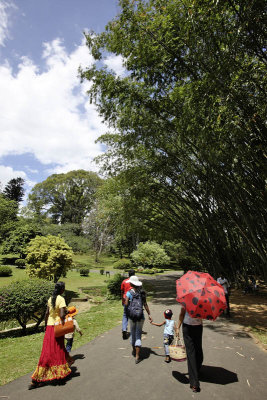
[[59, 287]]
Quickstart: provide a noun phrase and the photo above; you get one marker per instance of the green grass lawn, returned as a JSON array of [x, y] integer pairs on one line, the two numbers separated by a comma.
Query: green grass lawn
[[260, 335], [16, 274], [88, 260], [20, 355]]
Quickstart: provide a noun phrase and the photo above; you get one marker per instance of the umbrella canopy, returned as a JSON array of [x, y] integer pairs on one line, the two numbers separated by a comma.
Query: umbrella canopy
[[201, 295]]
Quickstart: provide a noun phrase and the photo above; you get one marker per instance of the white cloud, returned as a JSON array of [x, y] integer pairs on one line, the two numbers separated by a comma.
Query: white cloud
[[116, 64], [7, 173], [4, 20], [47, 113]]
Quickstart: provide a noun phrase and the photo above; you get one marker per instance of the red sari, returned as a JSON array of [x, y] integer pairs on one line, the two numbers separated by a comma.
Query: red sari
[[52, 363]]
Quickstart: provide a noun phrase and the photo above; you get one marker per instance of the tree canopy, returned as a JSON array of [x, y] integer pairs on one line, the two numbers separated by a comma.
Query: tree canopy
[[8, 216], [14, 189], [188, 121], [48, 257], [66, 198]]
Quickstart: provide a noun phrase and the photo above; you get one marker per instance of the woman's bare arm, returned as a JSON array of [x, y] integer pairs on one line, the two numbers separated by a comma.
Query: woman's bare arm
[[180, 321], [46, 316], [62, 313]]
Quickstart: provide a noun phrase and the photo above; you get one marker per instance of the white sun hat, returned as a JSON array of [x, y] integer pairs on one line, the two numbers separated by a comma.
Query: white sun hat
[[134, 280]]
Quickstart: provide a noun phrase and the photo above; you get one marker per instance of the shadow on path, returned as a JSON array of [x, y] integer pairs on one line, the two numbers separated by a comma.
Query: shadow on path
[[226, 328], [164, 289], [216, 375]]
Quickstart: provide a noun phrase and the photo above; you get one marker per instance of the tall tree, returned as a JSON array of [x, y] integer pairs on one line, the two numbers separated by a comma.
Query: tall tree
[[8, 216], [188, 120], [14, 189], [66, 198]]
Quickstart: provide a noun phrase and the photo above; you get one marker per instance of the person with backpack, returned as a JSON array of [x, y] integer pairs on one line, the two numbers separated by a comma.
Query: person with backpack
[[125, 287], [135, 301]]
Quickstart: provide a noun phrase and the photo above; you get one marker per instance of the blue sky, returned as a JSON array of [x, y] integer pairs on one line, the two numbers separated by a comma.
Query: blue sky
[[46, 122]]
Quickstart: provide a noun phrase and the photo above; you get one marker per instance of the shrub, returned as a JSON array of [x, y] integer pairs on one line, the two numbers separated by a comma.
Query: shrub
[[114, 286], [140, 269], [19, 238], [150, 254], [123, 263], [5, 271], [25, 300], [9, 259], [48, 257], [20, 263], [102, 271], [149, 271], [84, 271]]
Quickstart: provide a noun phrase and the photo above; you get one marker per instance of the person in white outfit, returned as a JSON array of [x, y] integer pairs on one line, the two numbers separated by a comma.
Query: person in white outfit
[[226, 287]]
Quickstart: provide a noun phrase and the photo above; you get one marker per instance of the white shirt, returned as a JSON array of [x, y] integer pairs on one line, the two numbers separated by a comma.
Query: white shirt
[[191, 321], [224, 283], [76, 328]]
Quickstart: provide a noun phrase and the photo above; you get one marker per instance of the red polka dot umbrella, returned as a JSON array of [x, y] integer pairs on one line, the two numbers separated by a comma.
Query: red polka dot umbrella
[[201, 295]]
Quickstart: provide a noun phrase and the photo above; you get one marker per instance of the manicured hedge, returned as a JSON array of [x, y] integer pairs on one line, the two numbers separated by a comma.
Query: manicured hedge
[[84, 271], [25, 300], [123, 263], [5, 271], [114, 286]]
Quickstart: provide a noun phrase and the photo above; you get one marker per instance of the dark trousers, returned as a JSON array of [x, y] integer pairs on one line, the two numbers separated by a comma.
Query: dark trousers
[[69, 345], [193, 344], [228, 304]]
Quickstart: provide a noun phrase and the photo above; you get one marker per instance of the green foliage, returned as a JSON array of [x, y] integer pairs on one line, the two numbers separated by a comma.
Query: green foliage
[[173, 250], [66, 198], [19, 238], [84, 271], [14, 189], [20, 263], [123, 263], [5, 271], [189, 117], [114, 286], [9, 259], [25, 300], [48, 257], [70, 232], [150, 254], [8, 216]]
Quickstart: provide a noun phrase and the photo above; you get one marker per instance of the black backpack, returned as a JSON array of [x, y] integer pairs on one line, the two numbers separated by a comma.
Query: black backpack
[[135, 307]]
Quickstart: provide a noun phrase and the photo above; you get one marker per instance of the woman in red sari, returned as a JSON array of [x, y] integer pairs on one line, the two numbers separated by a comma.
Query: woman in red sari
[[53, 364]]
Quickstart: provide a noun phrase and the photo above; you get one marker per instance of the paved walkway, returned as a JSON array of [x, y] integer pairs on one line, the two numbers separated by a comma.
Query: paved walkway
[[234, 367]]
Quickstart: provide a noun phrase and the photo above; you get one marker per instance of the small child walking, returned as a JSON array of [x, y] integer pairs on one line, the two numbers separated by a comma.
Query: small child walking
[[168, 333], [72, 311]]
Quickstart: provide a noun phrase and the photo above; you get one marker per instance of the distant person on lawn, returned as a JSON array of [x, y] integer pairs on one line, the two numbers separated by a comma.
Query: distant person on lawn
[[53, 363], [125, 287]]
